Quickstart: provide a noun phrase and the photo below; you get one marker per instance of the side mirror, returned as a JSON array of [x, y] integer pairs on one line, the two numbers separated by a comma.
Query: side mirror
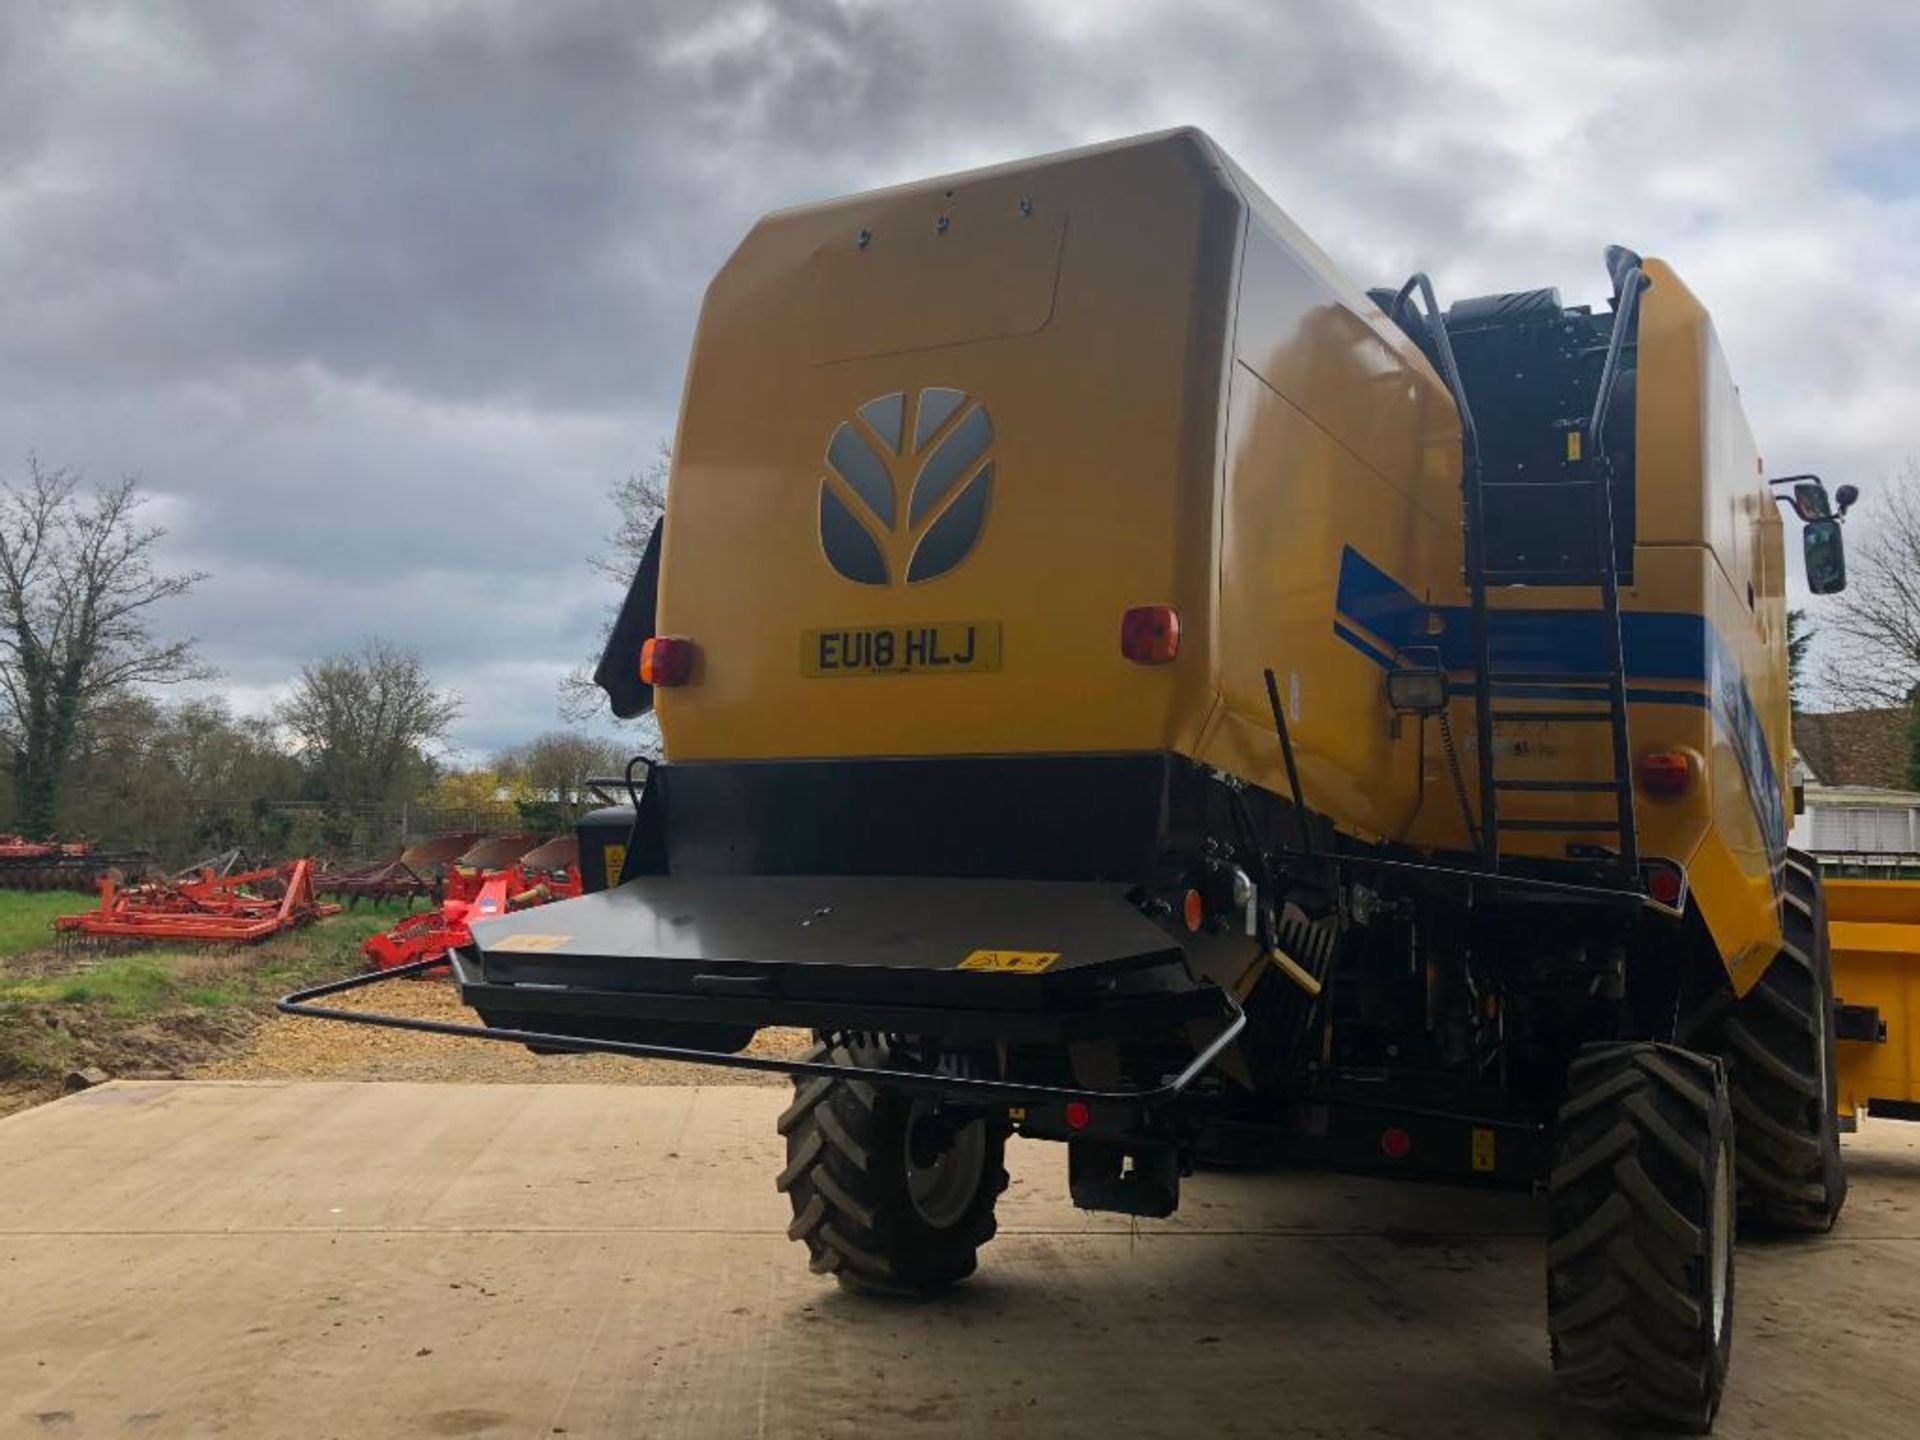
[[1810, 500], [1826, 556], [1844, 497]]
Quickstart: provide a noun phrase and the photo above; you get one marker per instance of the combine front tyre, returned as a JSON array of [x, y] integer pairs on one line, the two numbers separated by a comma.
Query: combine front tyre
[[892, 1194], [1778, 1042], [1640, 1235]]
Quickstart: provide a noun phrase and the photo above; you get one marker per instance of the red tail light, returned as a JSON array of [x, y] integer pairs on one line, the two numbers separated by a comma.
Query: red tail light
[[666, 660], [1665, 884], [1150, 634], [1193, 910], [1666, 774]]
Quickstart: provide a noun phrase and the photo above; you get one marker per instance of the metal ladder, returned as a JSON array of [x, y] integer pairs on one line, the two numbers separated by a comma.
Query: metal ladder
[[1600, 696]]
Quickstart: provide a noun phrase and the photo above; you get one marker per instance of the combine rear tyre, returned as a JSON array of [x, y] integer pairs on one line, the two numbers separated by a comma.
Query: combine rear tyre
[[1640, 1235], [892, 1194]]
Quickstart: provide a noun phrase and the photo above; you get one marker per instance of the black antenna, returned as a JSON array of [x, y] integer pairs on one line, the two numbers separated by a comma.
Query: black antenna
[[1293, 774]]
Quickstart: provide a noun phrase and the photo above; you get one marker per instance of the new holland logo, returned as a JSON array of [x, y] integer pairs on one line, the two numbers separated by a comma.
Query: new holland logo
[[906, 486]]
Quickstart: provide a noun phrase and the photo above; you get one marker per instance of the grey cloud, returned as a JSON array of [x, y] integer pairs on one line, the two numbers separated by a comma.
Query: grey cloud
[[380, 296]]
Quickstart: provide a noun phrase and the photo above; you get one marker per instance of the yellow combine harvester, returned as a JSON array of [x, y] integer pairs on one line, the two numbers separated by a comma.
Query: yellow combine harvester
[[1127, 686]]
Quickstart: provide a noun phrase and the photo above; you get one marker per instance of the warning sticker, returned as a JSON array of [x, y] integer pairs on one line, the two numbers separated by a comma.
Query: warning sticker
[[530, 941], [1482, 1149], [615, 858], [1018, 962]]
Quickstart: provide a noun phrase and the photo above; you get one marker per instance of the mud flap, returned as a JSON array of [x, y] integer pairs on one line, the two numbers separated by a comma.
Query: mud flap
[[1126, 1177]]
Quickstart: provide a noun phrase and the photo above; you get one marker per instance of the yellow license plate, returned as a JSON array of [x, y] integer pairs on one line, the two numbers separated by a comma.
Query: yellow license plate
[[941, 648]]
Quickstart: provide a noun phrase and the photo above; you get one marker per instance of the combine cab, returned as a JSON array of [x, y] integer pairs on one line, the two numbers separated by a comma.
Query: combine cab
[[1125, 685]]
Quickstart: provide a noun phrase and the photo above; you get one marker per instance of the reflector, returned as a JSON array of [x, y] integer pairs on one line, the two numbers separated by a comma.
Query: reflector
[[1666, 774], [666, 660], [1150, 634]]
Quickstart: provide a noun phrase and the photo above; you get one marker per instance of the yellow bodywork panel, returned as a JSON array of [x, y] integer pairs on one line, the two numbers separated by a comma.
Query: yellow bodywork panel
[[997, 411], [1874, 928]]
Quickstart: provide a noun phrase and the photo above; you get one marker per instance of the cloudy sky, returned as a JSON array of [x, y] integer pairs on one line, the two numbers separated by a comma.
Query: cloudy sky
[[377, 298]]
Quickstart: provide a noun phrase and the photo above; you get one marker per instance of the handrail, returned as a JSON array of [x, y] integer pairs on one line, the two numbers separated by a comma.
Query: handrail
[[299, 1002]]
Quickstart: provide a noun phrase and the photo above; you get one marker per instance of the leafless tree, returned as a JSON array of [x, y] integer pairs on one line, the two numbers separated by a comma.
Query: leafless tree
[[77, 582], [639, 501], [1872, 628], [557, 765], [367, 725]]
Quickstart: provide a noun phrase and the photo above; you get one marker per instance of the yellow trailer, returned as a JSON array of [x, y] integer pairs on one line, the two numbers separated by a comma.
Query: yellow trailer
[[1874, 929]]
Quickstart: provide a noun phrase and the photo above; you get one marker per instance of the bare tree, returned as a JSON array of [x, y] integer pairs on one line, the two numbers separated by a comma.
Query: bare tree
[[367, 725], [639, 501], [557, 765], [77, 580], [1873, 626]]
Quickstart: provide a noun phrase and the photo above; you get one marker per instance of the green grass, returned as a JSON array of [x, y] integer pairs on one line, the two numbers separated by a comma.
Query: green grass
[[140, 982], [26, 917], [128, 985]]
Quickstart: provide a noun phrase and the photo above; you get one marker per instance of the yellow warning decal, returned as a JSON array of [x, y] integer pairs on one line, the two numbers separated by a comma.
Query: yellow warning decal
[[615, 858], [1573, 453], [1018, 962], [1482, 1149], [530, 941]]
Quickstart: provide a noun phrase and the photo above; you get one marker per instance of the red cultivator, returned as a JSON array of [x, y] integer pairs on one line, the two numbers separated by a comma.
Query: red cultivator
[[498, 875], [204, 908]]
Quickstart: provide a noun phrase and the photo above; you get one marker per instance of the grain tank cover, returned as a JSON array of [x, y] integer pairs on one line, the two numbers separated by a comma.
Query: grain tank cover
[[937, 441]]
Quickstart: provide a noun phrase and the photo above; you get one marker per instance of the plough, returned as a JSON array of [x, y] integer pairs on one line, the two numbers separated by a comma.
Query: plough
[[497, 876], [203, 908], [413, 875]]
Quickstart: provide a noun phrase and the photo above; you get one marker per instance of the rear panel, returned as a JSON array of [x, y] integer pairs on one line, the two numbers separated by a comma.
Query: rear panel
[[957, 429]]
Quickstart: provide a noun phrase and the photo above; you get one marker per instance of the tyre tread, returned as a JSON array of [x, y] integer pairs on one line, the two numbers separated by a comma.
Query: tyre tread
[[1628, 1251], [845, 1180]]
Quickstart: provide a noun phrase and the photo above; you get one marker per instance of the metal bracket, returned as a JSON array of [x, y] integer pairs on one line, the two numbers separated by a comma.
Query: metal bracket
[[1859, 1022], [952, 1087]]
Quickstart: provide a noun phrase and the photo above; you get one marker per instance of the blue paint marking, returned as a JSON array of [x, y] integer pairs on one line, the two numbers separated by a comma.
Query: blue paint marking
[[1378, 656], [1658, 645]]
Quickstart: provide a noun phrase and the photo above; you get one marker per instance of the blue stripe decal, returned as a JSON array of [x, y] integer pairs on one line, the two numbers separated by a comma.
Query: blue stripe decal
[[1379, 657], [1657, 645]]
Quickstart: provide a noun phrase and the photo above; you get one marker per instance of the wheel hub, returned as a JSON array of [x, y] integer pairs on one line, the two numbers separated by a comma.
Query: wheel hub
[[945, 1164]]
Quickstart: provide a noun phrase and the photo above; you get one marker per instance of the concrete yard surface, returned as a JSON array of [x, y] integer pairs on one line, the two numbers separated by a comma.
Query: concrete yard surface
[[339, 1259]]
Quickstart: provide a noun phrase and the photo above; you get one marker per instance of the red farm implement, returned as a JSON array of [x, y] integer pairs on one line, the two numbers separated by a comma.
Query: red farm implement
[[63, 864], [415, 874], [203, 908], [497, 876]]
